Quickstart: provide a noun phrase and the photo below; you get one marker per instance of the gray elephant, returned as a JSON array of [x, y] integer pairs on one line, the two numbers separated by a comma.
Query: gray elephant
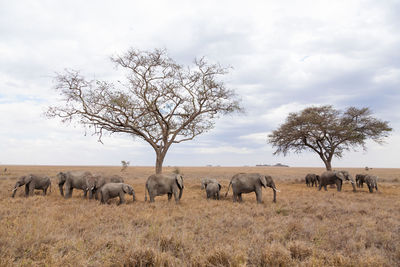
[[73, 179], [360, 180], [250, 182], [335, 177], [111, 190], [312, 179], [372, 182], [212, 187], [161, 184], [32, 182], [96, 182]]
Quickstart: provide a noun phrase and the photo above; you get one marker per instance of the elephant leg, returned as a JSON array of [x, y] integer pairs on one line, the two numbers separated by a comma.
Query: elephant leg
[[44, 191], [61, 189], [218, 195], [26, 190], [240, 197], [176, 196], [320, 186], [376, 187], [102, 198], [169, 196], [370, 188], [152, 196], [235, 197], [338, 185], [121, 198], [325, 187], [258, 195], [68, 191], [91, 193], [31, 189], [85, 193]]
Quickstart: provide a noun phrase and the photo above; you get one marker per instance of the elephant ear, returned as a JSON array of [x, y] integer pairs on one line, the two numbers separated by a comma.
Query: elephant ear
[[179, 181], [263, 181], [340, 176], [28, 178], [203, 184], [125, 188], [219, 185]]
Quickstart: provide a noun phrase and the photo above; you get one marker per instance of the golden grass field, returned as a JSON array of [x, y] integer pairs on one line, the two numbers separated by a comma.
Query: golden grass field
[[304, 228]]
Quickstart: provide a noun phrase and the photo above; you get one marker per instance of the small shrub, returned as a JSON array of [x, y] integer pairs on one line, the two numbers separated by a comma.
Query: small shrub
[[276, 255], [299, 250], [218, 258], [140, 257]]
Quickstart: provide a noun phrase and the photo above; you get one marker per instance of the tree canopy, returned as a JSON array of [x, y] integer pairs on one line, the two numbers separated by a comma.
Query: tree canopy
[[328, 132], [160, 101]]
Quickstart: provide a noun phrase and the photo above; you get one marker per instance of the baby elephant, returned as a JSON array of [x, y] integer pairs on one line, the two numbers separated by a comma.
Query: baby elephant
[[372, 182], [312, 179], [32, 182], [212, 187], [112, 190]]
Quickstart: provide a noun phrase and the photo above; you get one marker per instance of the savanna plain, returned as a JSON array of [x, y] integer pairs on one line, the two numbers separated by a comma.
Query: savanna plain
[[305, 227]]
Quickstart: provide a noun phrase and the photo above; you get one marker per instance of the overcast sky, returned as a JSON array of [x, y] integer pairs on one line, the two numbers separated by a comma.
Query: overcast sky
[[286, 55]]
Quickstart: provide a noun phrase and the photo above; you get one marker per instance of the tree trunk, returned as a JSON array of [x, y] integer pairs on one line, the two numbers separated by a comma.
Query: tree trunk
[[327, 162], [159, 162], [328, 165]]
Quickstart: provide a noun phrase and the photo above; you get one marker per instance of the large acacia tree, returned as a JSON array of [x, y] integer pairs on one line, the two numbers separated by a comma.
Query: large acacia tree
[[328, 132], [160, 101]]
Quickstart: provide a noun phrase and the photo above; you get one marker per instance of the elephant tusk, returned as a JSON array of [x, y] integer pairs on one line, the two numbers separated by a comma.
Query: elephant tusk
[[276, 190]]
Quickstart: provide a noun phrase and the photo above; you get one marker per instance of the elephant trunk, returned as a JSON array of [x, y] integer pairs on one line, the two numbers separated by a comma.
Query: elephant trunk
[[91, 191], [133, 196], [274, 189], [180, 193], [15, 188], [352, 183], [60, 186], [14, 191]]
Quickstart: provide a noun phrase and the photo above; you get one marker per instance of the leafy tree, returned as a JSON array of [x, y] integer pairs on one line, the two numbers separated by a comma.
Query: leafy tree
[[161, 102], [328, 132]]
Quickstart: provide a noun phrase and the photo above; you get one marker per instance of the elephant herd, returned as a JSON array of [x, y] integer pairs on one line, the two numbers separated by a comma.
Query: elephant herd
[[162, 184], [156, 185], [338, 177]]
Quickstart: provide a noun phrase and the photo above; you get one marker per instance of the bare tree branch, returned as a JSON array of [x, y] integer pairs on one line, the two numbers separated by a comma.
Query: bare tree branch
[[160, 102]]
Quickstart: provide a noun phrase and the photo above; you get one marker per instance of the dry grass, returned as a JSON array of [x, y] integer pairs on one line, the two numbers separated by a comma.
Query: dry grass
[[305, 227]]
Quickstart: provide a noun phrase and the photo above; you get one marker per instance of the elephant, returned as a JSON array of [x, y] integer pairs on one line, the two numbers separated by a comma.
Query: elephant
[[73, 179], [312, 179], [360, 180], [111, 190], [212, 188], [32, 182], [335, 177], [161, 184], [96, 182], [250, 182], [372, 182]]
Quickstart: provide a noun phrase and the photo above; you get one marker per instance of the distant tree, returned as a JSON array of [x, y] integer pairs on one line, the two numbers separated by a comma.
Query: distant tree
[[161, 102], [125, 165], [328, 132]]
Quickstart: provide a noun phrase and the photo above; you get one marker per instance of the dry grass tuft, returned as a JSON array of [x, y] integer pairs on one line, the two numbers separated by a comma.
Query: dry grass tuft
[[306, 227]]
